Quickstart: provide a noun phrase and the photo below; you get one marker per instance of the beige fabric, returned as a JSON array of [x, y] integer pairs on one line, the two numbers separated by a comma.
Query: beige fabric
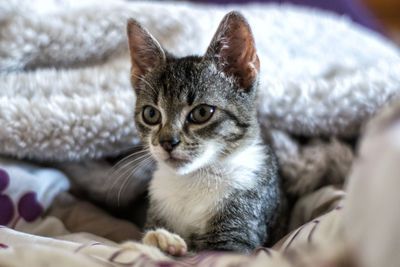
[[87, 249], [82, 216]]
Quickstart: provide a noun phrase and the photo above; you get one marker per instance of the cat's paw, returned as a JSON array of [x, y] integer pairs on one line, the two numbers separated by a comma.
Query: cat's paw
[[168, 242]]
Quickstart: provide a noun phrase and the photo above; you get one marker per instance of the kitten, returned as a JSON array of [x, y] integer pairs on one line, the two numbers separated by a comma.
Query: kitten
[[216, 186]]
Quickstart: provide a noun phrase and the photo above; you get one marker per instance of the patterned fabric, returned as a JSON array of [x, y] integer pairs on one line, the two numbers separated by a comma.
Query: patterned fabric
[[28, 191], [39, 250]]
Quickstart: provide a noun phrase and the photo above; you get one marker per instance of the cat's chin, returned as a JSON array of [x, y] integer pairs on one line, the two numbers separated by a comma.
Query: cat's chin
[[176, 163], [182, 164], [179, 166], [183, 167]]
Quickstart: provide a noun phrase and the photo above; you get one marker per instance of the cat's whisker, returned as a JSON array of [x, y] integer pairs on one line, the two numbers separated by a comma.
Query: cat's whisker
[[134, 154], [142, 164], [218, 172], [129, 157], [213, 177], [208, 180], [138, 148], [125, 177], [123, 173], [128, 164], [134, 147], [121, 170]]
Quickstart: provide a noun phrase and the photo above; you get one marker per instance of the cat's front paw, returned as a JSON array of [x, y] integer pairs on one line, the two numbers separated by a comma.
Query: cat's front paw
[[168, 242]]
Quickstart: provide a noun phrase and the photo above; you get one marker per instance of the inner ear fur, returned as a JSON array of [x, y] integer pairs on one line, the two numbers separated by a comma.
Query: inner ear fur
[[145, 51], [233, 50]]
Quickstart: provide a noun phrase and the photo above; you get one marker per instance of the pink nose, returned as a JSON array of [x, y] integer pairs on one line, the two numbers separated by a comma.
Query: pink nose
[[169, 144]]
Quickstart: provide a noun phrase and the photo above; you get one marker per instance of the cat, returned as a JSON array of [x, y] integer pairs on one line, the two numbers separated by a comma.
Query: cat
[[216, 186]]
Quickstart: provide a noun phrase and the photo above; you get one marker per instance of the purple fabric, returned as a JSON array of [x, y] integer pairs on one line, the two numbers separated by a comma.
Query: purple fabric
[[29, 207], [352, 8], [6, 204]]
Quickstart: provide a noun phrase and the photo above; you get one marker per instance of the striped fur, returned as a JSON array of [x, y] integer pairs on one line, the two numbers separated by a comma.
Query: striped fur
[[219, 187]]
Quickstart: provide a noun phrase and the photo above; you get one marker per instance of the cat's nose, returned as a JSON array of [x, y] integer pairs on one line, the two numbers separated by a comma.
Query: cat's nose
[[170, 143]]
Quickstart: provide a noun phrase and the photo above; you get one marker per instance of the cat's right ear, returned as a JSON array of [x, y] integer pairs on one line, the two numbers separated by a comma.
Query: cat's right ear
[[234, 52], [146, 53]]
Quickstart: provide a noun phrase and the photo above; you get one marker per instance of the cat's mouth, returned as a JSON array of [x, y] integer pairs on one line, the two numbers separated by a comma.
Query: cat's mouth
[[185, 162], [175, 159], [176, 162]]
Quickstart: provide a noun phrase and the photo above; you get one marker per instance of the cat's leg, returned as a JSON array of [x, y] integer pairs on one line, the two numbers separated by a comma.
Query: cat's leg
[[230, 231], [228, 240], [158, 236], [244, 224], [168, 242]]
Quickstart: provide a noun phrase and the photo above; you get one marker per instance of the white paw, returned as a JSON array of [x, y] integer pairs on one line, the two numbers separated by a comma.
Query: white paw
[[168, 242]]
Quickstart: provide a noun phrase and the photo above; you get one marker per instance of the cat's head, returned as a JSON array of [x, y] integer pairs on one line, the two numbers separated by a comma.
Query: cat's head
[[194, 111]]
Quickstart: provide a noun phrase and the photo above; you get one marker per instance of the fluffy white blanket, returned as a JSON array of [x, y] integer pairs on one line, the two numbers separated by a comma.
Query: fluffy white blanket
[[65, 92]]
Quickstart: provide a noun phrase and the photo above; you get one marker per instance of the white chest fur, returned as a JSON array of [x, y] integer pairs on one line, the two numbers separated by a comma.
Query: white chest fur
[[187, 202]]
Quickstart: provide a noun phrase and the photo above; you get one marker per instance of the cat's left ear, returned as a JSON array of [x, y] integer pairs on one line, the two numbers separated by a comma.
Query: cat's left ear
[[233, 50], [146, 52]]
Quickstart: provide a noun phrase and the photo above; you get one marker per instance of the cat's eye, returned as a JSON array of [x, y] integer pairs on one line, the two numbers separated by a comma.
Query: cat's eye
[[201, 114], [151, 115]]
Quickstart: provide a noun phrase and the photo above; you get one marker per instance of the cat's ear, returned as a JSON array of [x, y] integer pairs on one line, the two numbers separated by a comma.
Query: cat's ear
[[233, 50], [146, 53]]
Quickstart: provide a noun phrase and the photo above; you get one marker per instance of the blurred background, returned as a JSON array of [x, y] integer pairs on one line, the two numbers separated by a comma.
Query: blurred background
[[388, 14], [380, 15]]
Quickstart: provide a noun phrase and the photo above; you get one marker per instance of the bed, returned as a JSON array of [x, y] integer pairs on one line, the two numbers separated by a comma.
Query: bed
[[327, 102]]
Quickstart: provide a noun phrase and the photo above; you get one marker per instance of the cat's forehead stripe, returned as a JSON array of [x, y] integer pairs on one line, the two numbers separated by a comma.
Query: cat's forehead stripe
[[190, 98], [155, 97]]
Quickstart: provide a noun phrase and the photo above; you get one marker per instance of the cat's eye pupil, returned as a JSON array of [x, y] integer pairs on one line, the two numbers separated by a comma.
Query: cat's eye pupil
[[151, 115], [201, 114]]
